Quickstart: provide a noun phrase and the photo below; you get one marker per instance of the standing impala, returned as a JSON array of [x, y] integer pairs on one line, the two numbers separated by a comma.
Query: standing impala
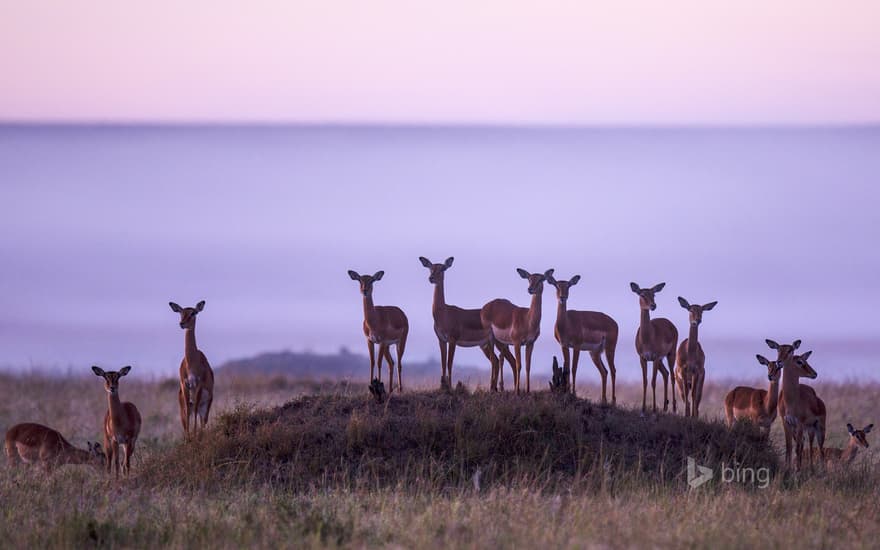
[[453, 325], [655, 339], [383, 325], [800, 408], [590, 331], [196, 392], [37, 444], [756, 405], [122, 423], [691, 360], [517, 326]]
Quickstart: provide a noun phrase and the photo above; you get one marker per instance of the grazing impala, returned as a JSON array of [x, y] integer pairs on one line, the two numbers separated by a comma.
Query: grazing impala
[[691, 360], [844, 457], [383, 325], [453, 325], [753, 404], [655, 339], [122, 423], [517, 326], [800, 408], [37, 444], [196, 392], [589, 331]]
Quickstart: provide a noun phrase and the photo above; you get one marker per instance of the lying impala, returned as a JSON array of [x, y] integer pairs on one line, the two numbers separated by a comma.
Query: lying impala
[[453, 325], [122, 423], [656, 339], [589, 331], [383, 325], [802, 411], [196, 391], [754, 404], [843, 457], [37, 444]]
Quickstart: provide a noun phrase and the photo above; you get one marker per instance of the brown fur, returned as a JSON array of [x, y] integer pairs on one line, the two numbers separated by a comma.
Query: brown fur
[[802, 411], [122, 423], [196, 392], [691, 360], [757, 405], [37, 444], [655, 340], [837, 457]]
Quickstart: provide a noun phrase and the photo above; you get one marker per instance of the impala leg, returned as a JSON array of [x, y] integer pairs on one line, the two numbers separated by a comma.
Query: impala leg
[[116, 458], [195, 408], [517, 367], [663, 372], [372, 348], [603, 372], [820, 439], [384, 353], [207, 404], [129, 452], [609, 355], [493, 361], [698, 394], [671, 360], [181, 398], [812, 435], [451, 356], [644, 363], [788, 436], [566, 364], [443, 360], [500, 371], [529, 348], [654, 383], [401, 347]]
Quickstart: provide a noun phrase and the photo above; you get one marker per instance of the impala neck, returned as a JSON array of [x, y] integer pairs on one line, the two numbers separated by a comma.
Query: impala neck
[[190, 351], [790, 386], [535, 311], [645, 327], [115, 406], [692, 341], [369, 309], [771, 400], [77, 456], [439, 299], [561, 315], [849, 454]]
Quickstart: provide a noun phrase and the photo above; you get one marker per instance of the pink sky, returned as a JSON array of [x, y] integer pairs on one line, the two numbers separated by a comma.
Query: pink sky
[[495, 61]]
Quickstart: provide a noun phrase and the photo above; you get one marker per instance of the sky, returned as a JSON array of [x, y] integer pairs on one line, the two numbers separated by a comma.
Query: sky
[[678, 62]]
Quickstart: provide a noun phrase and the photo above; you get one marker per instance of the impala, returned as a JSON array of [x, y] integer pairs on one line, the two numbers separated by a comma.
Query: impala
[[655, 339], [800, 408], [517, 326], [453, 325], [196, 392], [691, 360], [754, 404], [122, 423], [37, 444], [383, 325], [845, 456], [589, 331]]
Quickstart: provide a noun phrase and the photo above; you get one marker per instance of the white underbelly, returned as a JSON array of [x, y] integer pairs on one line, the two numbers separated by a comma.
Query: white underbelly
[[502, 335]]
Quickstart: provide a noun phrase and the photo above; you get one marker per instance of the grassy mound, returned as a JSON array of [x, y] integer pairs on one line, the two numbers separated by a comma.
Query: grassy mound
[[447, 440]]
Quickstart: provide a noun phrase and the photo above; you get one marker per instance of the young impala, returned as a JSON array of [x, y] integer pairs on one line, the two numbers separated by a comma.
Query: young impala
[[383, 325], [122, 423], [755, 404], [37, 444], [691, 360], [655, 339], [196, 392]]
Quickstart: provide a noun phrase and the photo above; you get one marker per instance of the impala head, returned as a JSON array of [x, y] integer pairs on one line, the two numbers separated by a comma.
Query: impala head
[[646, 295], [783, 350], [536, 280], [96, 453], [187, 314], [366, 281], [111, 378], [801, 366], [774, 368], [695, 310], [562, 286], [859, 435], [437, 270]]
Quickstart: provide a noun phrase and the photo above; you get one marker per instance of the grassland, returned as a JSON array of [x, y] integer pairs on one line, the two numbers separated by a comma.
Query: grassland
[[290, 463]]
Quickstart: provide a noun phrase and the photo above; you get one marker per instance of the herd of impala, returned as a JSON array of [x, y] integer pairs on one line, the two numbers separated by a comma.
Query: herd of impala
[[496, 326]]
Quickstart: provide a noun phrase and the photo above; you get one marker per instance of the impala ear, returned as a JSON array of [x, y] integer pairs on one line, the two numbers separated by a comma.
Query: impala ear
[[773, 345], [548, 273], [850, 429], [684, 303], [425, 261], [807, 355], [354, 275], [124, 370], [522, 273], [867, 429], [98, 371], [551, 280], [200, 306], [448, 262], [634, 287], [763, 360], [378, 275], [574, 280], [174, 307], [658, 288], [796, 344], [709, 306]]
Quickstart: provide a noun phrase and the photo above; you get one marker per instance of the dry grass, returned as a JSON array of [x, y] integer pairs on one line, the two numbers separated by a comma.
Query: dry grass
[[339, 470]]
